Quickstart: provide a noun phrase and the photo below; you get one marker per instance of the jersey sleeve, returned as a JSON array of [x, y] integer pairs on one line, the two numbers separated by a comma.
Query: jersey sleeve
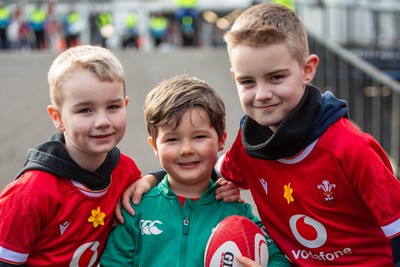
[[26, 206], [371, 175], [230, 165]]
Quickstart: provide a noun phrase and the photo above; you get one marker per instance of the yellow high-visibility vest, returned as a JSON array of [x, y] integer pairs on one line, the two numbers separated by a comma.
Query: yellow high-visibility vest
[[287, 3], [186, 3], [131, 21]]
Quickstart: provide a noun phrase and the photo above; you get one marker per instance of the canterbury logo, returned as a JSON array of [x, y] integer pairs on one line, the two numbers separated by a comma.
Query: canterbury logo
[[149, 227]]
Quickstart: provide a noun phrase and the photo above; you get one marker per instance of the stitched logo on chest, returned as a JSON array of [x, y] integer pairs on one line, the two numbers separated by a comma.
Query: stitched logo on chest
[[327, 191], [150, 227]]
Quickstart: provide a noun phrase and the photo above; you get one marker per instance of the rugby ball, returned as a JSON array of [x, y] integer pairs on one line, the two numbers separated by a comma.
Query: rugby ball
[[235, 235]]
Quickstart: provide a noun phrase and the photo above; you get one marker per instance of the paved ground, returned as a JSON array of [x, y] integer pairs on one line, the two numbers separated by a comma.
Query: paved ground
[[24, 98]]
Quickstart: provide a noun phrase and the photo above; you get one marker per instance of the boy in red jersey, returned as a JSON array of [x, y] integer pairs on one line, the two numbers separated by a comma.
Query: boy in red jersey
[[325, 191], [59, 210]]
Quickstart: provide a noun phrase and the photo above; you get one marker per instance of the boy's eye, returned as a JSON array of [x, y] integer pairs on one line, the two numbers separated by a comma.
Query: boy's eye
[[200, 136], [171, 139], [84, 110], [114, 107], [277, 78], [246, 82]]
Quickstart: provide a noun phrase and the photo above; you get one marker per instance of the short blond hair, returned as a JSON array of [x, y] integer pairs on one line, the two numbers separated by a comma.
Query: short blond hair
[[168, 102], [98, 60], [266, 24]]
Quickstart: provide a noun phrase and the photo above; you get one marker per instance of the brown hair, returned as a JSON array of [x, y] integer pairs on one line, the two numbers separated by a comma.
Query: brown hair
[[167, 103], [267, 24]]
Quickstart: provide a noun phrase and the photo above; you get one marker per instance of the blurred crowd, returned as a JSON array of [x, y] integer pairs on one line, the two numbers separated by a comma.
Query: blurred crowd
[[47, 26]]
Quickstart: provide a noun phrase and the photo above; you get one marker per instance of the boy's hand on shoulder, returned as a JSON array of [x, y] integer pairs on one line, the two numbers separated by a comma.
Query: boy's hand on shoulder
[[246, 262], [227, 191], [135, 192]]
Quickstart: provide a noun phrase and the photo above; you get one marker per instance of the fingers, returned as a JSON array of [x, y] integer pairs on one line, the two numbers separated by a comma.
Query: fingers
[[137, 196], [126, 196], [246, 261], [118, 214], [221, 181], [227, 191]]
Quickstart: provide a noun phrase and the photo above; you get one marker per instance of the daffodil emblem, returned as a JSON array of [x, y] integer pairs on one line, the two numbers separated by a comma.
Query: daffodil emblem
[[288, 193], [97, 217]]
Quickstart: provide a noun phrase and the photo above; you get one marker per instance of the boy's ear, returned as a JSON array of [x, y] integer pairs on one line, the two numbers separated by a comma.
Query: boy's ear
[[56, 117], [222, 141], [126, 101], [153, 145], [310, 68], [232, 72]]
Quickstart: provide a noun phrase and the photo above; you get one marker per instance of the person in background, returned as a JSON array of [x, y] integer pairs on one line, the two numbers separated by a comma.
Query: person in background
[[72, 27], [185, 119], [130, 37], [5, 21], [159, 26], [187, 17], [105, 28], [37, 23]]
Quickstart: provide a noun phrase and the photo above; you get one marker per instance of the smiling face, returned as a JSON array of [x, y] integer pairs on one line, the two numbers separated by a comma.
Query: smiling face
[[188, 152], [92, 117], [270, 81]]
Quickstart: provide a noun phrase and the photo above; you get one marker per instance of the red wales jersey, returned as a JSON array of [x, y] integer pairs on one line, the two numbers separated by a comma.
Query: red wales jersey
[[335, 203], [49, 221]]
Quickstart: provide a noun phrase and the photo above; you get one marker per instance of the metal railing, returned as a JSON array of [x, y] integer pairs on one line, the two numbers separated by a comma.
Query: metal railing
[[373, 96]]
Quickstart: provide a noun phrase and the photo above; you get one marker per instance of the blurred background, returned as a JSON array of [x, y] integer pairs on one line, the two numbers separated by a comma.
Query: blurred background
[[364, 26], [358, 42]]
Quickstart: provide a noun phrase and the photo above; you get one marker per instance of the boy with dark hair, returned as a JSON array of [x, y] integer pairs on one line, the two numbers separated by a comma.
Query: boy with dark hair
[[185, 119]]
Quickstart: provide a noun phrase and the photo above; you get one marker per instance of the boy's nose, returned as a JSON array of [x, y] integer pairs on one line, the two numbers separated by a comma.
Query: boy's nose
[[102, 120], [186, 148], [263, 93]]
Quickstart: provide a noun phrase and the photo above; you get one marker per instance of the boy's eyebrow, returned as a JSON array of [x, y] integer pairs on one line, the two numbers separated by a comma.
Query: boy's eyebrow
[[277, 72], [86, 103], [272, 73]]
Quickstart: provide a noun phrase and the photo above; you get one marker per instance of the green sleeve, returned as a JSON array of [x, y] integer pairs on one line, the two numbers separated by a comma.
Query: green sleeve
[[120, 247], [275, 255]]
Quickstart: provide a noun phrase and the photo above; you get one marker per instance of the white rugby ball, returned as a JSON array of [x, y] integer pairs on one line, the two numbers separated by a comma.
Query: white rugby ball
[[235, 235]]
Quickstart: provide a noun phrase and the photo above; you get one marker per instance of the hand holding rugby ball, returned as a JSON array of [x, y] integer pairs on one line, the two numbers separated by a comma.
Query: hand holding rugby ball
[[235, 235]]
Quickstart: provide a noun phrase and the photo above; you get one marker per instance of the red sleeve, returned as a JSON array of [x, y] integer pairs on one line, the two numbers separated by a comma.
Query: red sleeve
[[370, 172], [231, 164], [25, 208]]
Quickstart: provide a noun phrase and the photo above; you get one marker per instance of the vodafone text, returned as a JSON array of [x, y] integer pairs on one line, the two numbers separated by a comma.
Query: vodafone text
[[321, 256]]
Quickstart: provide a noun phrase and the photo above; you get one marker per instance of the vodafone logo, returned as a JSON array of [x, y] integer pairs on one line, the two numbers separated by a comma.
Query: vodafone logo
[[85, 255], [309, 232]]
